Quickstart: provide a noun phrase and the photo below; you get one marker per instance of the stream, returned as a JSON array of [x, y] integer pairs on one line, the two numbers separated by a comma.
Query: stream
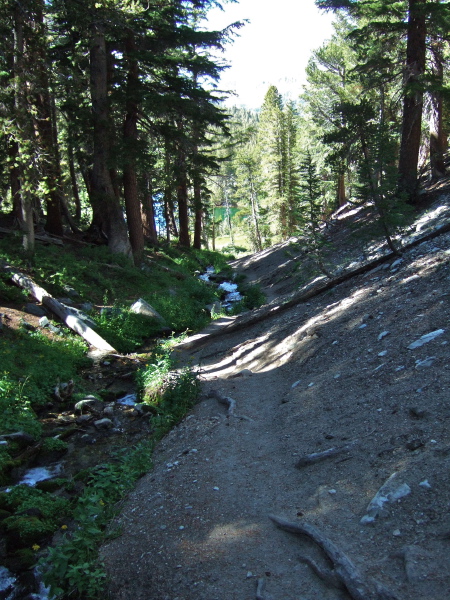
[[88, 443]]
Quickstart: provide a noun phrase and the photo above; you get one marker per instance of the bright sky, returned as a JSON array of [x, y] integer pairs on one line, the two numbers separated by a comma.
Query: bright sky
[[273, 49]]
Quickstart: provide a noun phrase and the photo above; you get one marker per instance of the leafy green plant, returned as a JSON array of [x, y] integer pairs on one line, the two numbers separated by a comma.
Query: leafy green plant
[[126, 330], [15, 408], [54, 445], [72, 567], [36, 513]]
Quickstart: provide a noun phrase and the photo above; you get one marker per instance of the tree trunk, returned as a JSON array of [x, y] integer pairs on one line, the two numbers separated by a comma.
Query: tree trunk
[[44, 126], [148, 213], [107, 209], [437, 137], [73, 182], [182, 195], [198, 222], [24, 132], [130, 136], [15, 174], [413, 99], [341, 198]]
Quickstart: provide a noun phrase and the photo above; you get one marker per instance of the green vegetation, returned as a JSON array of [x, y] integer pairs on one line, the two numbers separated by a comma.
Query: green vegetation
[[36, 362]]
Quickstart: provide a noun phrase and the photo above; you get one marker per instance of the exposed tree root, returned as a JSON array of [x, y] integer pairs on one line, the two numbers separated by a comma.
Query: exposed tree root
[[230, 403], [343, 572]]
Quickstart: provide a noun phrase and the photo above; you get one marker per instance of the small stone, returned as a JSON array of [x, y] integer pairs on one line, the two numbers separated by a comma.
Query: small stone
[[426, 362], [426, 338], [383, 334], [333, 491], [32, 309], [249, 574], [294, 385], [383, 353], [362, 326], [335, 343], [400, 368], [337, 375], [215, 488], [181, 527], [396, 263], [397, 532], [43, 321], [83, 419], [89, 404], [311, 384], [425, 484], [104, 424]]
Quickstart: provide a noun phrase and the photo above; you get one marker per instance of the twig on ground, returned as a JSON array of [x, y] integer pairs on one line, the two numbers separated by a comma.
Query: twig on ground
[[315, 457], [344, 572]]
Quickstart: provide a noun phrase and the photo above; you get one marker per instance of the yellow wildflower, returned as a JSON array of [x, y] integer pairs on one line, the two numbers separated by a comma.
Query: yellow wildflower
[[63, 526], [35, 547]]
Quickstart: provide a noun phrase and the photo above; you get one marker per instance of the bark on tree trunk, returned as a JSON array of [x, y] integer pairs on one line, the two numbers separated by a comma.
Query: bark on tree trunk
[[44, 126], [198, 223], [130, 135], [148, 212], [73, 182], [437, 137], [182, 195], [341, 198], [413, 98], [23, 130], [107, 209]]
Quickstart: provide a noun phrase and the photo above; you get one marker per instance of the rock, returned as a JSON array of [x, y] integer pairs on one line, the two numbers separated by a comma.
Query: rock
[[426, 362], [389, 492], [83, 419], [383, 334], [396, 263], [43, 321], [108, 411], [32, 309], [104, 424], [20, 437], [141, 307], [426, 338], [89, 404]]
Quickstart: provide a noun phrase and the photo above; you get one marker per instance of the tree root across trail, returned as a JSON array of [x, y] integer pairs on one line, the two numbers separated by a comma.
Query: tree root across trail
[[343, 573]]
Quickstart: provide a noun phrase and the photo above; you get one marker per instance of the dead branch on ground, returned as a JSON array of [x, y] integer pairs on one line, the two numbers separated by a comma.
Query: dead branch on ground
[[343, 572]]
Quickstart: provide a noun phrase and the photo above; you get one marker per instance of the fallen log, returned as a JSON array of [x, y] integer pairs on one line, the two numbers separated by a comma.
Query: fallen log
[[269, 310], [343, 572], [63, 312]]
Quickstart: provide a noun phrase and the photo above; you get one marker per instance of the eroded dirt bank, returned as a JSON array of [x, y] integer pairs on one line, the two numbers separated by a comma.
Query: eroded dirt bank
[[334, 372]]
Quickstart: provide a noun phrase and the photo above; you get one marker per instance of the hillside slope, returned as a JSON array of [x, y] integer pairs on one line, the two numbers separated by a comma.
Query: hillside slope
[[347, 369]]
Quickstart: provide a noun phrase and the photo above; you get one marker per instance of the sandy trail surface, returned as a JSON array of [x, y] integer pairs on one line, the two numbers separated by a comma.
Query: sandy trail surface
[[334, 372]]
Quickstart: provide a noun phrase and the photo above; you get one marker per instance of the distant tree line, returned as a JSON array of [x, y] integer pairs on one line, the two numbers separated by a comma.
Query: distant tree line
[[374, 112], [104, 117]]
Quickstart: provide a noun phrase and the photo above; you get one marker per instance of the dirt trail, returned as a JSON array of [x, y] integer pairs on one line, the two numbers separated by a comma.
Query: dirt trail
[[323, 374]]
